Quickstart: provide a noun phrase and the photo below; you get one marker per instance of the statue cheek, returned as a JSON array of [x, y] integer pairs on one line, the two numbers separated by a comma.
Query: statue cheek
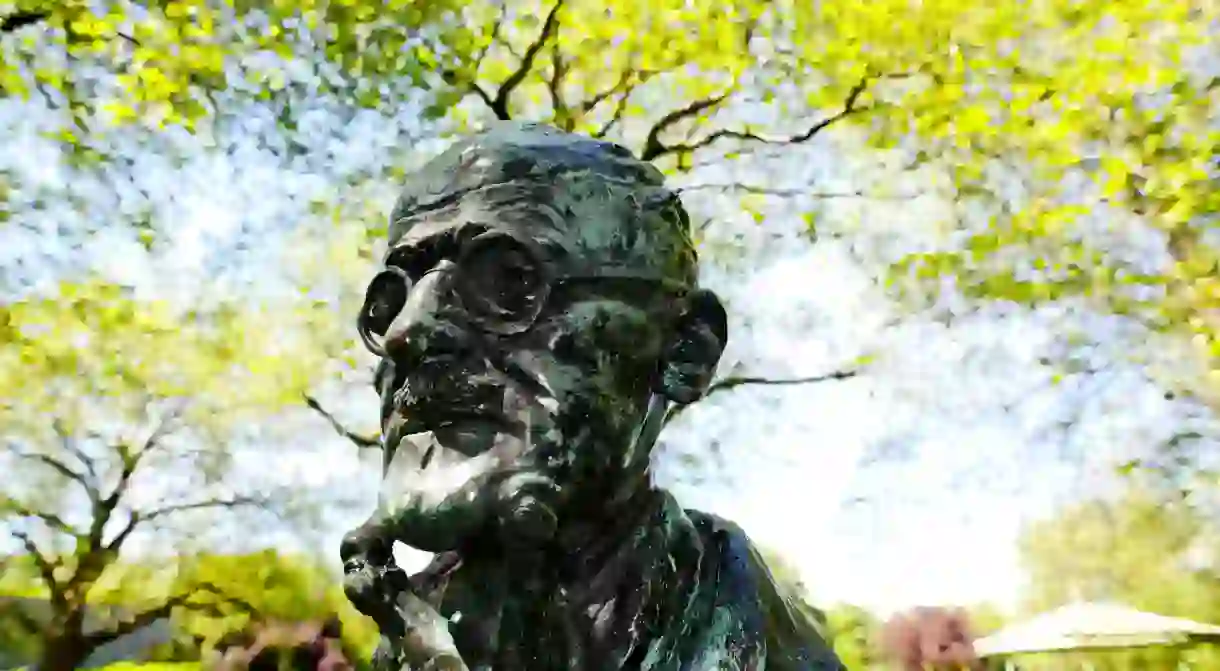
[[595, 336]]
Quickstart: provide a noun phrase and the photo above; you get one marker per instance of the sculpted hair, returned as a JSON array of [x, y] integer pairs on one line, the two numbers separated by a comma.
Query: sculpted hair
[[615, 208]]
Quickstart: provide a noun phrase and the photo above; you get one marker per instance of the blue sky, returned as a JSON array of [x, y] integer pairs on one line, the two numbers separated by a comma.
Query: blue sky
[[904, 486]]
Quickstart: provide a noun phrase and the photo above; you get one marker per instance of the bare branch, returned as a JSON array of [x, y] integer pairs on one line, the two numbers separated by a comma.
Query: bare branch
[[483, 95], [11, 23], [619, 87], [478, 61], [68, 442], [792, 193], [358, 440], [13, 507], [46, 570], [103, 510], [61, 468], [653, 147], [655, 150], [499, 105], [496, 27], [554, 86], [735, 381], [140, 517], [97, 555], [24, 620], [162, 429], [620, 108], [235, 502]]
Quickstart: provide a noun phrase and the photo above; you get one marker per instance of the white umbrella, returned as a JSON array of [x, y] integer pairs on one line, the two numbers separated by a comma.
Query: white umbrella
[[1093, 625]]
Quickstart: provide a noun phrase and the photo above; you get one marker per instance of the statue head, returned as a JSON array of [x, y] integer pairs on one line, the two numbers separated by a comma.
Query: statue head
[[537, 312]]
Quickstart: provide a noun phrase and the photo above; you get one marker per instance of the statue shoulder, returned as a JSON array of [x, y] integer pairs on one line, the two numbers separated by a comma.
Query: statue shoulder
[[753, 609]]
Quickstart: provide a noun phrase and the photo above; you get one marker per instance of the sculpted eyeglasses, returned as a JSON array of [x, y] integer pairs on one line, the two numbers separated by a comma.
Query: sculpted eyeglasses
[[503, 284]]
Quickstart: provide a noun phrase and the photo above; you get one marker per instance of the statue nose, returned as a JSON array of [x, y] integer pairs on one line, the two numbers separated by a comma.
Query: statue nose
[[425, 326]]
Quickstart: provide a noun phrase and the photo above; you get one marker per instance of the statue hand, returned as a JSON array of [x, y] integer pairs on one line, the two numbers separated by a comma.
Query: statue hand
[[425, 644]]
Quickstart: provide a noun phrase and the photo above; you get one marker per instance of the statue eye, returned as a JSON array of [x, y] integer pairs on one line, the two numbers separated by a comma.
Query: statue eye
[[502, 278]]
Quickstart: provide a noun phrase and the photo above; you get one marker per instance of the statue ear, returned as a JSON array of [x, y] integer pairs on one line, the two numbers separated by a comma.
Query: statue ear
[[686, 369]]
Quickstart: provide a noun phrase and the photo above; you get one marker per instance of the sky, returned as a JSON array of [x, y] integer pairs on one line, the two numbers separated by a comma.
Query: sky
[[906, 485]]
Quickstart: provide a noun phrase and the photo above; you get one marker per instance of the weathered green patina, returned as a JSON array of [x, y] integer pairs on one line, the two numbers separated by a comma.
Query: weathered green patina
[[537, 313]]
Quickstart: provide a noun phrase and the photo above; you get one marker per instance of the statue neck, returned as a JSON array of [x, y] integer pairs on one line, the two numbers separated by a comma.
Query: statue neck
[[588, 601]]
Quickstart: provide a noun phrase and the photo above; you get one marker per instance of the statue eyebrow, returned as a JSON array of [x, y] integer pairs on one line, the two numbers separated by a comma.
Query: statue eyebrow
[[419, 255]]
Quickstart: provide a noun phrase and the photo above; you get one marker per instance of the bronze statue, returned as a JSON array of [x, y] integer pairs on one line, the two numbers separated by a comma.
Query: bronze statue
[[537, 313]]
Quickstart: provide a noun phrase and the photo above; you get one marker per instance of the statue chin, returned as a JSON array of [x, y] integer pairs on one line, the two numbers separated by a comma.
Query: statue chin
[[443, 487]]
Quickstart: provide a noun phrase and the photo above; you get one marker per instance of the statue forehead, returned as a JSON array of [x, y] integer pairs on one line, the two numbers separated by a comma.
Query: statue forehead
[[592, 199]]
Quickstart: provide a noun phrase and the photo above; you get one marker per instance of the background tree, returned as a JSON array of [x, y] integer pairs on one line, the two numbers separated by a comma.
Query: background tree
[[1130, 106], [276, 590], [854, 632], [1136, 549], [1130, 109], [123, 417], [1039, 163]]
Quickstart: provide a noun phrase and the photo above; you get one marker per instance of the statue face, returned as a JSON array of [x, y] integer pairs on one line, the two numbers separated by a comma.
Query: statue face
[[516, 369]]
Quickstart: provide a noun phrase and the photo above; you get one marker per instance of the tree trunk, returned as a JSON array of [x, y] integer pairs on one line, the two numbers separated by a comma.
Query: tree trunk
[[63, 652]]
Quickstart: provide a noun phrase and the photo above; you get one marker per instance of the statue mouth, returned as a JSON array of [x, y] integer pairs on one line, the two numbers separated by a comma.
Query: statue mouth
[[465, 424], [449, 405], [450, 422]]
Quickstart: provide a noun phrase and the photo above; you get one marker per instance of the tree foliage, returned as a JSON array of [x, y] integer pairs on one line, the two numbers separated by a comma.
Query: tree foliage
[[105, 400], [1138, 550], [853, 633], [273, 588], [1060, 129]]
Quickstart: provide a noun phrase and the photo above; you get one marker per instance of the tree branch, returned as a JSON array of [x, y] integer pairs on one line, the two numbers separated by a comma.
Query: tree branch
[[483, 95], [68, 442], [358, 440], [25, 621], [734, 381], [13, 507], [620, 108], [792, 193], [63, 469], [598, 98], [103, 511], [654, 149], [140, 517], [499, 105], [159, 432], [46, 570], [554, 86], [104, 508], [147, 618], [97, 554], [11, 23], [478, 61]]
